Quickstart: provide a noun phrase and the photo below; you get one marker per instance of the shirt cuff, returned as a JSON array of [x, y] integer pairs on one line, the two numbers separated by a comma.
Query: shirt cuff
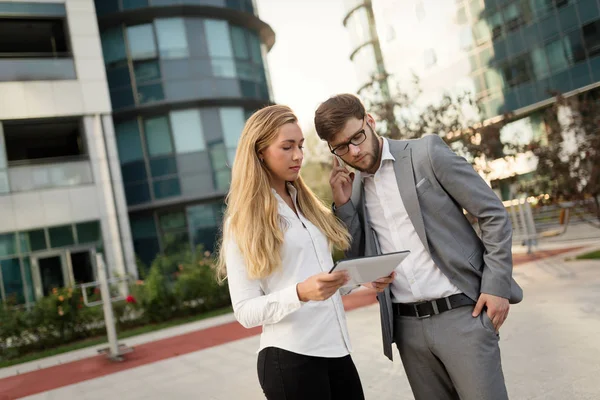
[[289, 297]]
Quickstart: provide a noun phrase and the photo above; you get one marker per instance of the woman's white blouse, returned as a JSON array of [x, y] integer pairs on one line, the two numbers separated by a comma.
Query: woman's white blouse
[[314, 328]]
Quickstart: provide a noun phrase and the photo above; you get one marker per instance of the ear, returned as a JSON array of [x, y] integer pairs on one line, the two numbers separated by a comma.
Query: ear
[[371, 121]]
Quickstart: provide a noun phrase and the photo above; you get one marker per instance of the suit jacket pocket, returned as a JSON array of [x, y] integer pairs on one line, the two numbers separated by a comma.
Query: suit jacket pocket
[[422, 186], [476, 260]]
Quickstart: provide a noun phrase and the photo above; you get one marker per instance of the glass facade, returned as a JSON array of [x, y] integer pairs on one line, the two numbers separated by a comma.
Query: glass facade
[[177, 59], [18, 248], [176, 84], [186, 152], [104, 7], [194, 225], [524, 50]]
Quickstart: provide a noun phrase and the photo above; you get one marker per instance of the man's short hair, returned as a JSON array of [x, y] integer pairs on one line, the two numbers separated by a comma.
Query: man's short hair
[[332, 115]]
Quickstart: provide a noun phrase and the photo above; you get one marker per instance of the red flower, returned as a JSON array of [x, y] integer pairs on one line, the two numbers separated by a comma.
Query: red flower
[[130, 299]]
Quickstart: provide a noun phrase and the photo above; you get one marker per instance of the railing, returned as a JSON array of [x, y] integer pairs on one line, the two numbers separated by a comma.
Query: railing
[[29, 69], [42, 176]]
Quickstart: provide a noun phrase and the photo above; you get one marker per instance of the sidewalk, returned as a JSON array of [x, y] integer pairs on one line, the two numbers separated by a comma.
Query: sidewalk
[[71, 368], [201, 364]]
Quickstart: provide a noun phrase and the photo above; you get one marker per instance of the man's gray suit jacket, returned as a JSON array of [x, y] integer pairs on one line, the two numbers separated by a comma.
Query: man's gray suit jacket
[[436, 185]]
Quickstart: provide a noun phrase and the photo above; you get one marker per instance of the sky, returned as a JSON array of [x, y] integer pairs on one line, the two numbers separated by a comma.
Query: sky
[[310, 59]]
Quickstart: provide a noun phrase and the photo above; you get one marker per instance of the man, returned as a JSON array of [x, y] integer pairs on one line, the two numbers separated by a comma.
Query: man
[[451, 295]]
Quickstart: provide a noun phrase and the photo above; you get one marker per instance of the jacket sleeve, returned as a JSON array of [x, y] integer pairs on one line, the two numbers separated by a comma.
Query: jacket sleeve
[[349, 216], [472, 193]]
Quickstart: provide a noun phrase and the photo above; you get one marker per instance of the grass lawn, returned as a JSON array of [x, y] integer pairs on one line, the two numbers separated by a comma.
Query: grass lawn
[[594, 255], [102, 339]]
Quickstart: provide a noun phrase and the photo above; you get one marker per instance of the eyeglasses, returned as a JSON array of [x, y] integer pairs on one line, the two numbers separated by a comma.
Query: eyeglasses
[[343, 148]]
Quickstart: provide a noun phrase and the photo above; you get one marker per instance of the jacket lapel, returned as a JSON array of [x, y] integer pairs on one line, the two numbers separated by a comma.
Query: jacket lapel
[[403, 167]]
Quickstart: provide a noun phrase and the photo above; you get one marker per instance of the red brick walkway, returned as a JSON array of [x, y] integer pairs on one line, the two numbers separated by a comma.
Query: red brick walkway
[[95, 367]]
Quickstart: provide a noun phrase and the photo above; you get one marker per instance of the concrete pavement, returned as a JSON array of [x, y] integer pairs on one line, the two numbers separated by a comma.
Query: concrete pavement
[[549, 344]]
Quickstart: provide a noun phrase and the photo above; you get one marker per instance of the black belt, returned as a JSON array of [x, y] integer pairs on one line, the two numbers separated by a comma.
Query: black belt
[[426, 309]]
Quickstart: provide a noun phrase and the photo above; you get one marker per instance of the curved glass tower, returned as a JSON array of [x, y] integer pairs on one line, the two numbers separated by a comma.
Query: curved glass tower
[[183, 77]]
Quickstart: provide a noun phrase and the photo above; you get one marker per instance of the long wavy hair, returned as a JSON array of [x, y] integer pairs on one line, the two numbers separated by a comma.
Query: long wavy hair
[[252, 217]]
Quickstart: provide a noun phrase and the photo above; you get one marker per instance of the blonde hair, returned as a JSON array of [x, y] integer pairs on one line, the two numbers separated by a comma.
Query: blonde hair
[[252, 217]]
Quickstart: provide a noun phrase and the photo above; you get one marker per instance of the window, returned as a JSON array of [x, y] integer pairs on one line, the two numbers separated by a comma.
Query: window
[[129, 4], [187, 131], [13, 281], [240, 45], [39, 38], [219, 162], [542, 7], [574, 47], [556, 56], [158, 137], [88, 232], [172, 41], [204, 224], [8, 244], [166, 188], [163, 166], [540, 63], [145, 239], [172, 221], [106, 6], [255, 51], [512, 17], [517, 71], [220, 48], [232, 122], [146, 71], [591, 36], [113, 45], [61, 236], [33, 241], [495, 23], [129, 144], [38, 140], [141, 42]]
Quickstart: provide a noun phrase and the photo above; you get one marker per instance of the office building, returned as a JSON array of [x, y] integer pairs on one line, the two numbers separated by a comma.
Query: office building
[[510, 54], [118, 123]]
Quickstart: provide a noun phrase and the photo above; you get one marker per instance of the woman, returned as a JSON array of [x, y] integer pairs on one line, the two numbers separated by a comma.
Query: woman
[[277, 253]]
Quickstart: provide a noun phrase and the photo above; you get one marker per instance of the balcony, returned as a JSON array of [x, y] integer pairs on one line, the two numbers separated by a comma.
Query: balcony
[[31, 68], [25, 178], [35, 48]]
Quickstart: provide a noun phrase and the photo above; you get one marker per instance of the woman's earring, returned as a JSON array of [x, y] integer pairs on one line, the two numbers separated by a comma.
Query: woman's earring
[[262, 160]]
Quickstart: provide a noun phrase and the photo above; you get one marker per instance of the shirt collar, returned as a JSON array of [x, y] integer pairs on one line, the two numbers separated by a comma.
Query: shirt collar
[[386, 155], [293, 192]]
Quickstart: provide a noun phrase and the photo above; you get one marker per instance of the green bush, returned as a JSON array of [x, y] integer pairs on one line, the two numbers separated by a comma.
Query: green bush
[[179, 283], [56, 319]]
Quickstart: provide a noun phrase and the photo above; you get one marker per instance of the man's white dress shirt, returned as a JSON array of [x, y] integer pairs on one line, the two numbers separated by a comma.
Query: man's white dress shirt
[[314, 328], [417, 277]]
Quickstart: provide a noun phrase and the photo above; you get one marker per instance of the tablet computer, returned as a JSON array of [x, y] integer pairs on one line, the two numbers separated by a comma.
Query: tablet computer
[[370, 268]]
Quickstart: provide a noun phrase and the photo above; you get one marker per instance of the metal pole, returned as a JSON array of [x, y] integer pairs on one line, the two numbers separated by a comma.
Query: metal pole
[[524, 224], [109, 318]]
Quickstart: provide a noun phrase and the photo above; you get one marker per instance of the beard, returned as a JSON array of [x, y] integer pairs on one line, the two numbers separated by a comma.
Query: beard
[[371, 155]]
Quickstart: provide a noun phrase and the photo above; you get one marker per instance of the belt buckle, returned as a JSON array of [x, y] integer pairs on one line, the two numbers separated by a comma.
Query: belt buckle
[[417, 311]]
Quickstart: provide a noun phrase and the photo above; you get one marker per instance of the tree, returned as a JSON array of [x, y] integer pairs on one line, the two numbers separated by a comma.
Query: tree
[[458, 119], [569, 156]]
